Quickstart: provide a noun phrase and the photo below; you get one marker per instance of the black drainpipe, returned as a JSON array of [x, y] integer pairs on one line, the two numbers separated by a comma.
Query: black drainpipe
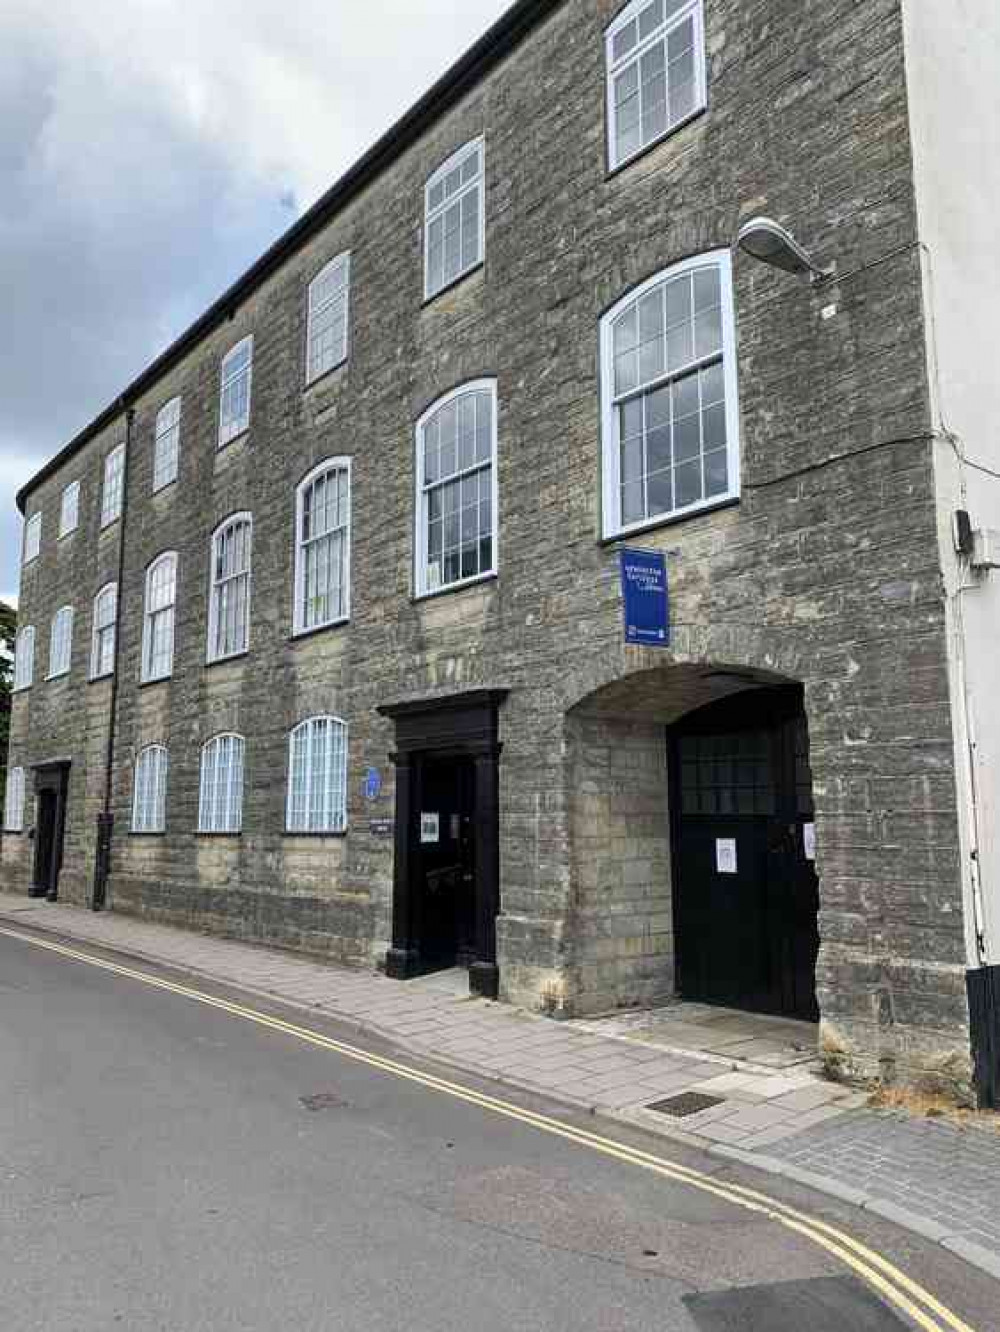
[[106, 820]]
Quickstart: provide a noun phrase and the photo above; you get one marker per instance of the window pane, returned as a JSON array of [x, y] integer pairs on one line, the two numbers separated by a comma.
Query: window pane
[[624, 40]]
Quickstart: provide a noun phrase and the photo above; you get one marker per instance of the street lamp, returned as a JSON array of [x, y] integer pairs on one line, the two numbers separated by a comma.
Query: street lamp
[[764, 239]]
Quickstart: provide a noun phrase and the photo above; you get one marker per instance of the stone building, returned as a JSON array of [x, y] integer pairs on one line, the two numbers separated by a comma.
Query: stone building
[[326, 607]]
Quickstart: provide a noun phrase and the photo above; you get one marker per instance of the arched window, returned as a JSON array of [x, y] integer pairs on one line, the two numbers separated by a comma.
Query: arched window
[[323, 546], [149, 791], [166, 443], [61, 642], [32, 538], [69, 509], [24, 657], [114, 485], [158, 618], [317, 776], [102, 646], [456, 488], [655, 71], [454, 218], [234, 391], [13, 813], [229, 595], [668, 379], [220, 805], [326, 332]]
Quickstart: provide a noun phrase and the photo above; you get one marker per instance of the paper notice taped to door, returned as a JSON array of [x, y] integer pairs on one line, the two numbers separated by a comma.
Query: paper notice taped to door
[[725, 855], [430, 827], [809, 840]]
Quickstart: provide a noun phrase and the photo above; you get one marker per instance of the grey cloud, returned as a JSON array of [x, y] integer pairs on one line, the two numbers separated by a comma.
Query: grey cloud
[[147, 157]]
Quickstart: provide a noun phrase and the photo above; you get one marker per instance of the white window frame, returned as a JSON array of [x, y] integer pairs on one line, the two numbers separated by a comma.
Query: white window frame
[[693, 9], [13, 809], [438, 210], [103, 630], [24, 658], [215, 586], [299, 625], [315, 311], [146, 672], [422, 586], [32, 538], [149, 790], [166, 444], [333, 816], [60, 643], [69, 509], [234, 428], [113, 489], [225, 816], [610, 441]]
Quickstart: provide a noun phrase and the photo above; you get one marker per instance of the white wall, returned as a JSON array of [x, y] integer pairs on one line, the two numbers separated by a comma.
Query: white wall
[[953, 77]]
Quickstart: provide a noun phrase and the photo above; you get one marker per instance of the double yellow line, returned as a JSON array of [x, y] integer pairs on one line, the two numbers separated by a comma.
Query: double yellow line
[[894, 1286]]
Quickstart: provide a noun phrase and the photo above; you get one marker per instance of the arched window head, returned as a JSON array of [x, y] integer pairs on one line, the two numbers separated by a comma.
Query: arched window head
[[454, 218], [326, 332], [317, 776], [670, 430], [220, 804], [323, 546], [229, 594], [61, 642], [102, 646], [158, 618], [149, 790], [656, 74], [13, 814], [457, 488]]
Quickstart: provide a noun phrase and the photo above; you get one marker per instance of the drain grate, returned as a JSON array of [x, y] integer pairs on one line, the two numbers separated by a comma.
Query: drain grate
[[323, 1101], [685, 1103]]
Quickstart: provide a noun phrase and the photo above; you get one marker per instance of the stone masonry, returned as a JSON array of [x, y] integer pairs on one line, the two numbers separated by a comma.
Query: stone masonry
[[826, 572]]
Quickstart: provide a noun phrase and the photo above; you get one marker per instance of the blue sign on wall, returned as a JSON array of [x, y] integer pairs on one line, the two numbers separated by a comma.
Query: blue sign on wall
[[645, 598], [373, 784]]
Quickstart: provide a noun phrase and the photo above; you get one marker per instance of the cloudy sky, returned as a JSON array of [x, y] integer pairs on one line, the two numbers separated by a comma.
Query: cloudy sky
[[149, 151]]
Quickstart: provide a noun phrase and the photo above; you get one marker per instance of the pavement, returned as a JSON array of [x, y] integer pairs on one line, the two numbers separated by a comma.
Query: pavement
[[763, 1099], [188, 1160]]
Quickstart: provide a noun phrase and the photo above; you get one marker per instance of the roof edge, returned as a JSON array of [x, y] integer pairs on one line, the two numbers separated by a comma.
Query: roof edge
[[501, 38]]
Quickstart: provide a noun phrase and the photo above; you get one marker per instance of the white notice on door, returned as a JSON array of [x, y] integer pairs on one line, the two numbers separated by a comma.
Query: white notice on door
[[430, 827], [809, 840], [725, 855]]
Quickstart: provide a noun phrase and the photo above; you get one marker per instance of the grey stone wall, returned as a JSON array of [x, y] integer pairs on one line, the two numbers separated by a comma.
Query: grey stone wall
[[622, 906], [67, 717], [826, 571]]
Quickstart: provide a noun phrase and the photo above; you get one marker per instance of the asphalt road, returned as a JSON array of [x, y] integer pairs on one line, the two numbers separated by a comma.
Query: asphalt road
[[164, 1165]]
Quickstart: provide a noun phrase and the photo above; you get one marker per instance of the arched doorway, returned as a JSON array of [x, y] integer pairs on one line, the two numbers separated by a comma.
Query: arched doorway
[[745, 891], [690, 835]]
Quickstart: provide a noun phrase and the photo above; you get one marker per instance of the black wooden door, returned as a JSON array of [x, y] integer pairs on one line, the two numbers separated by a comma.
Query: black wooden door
[[745, 890], [445, 836], [51, 784]]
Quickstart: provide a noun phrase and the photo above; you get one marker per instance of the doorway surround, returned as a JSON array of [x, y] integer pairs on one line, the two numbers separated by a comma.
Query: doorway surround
[[464, 727]]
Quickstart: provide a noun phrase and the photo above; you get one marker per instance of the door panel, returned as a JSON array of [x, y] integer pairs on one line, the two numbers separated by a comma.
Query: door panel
[[746, 931], [446, 880]]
